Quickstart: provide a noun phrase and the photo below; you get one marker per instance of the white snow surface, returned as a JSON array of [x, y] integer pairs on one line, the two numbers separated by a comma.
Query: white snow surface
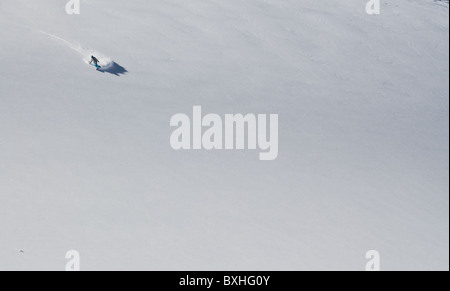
[[86, 163]]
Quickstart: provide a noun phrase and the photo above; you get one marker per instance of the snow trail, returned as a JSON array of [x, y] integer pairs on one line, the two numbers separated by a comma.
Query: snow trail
[[105, 61]]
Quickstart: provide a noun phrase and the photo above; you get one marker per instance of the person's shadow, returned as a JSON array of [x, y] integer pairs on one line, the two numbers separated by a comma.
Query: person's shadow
[[114, 69]]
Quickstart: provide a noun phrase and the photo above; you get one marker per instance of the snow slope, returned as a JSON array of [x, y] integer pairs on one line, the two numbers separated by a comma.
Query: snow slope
[[86, 163]]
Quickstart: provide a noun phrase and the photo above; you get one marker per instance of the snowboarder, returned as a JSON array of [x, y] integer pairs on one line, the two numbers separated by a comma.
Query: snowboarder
[[95, 61]]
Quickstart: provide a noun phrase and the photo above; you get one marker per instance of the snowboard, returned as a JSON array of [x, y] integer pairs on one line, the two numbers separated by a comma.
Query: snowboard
[[97, 66]]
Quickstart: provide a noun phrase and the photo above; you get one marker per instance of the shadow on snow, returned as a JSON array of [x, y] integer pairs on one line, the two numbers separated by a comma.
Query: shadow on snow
[[114, 69]]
